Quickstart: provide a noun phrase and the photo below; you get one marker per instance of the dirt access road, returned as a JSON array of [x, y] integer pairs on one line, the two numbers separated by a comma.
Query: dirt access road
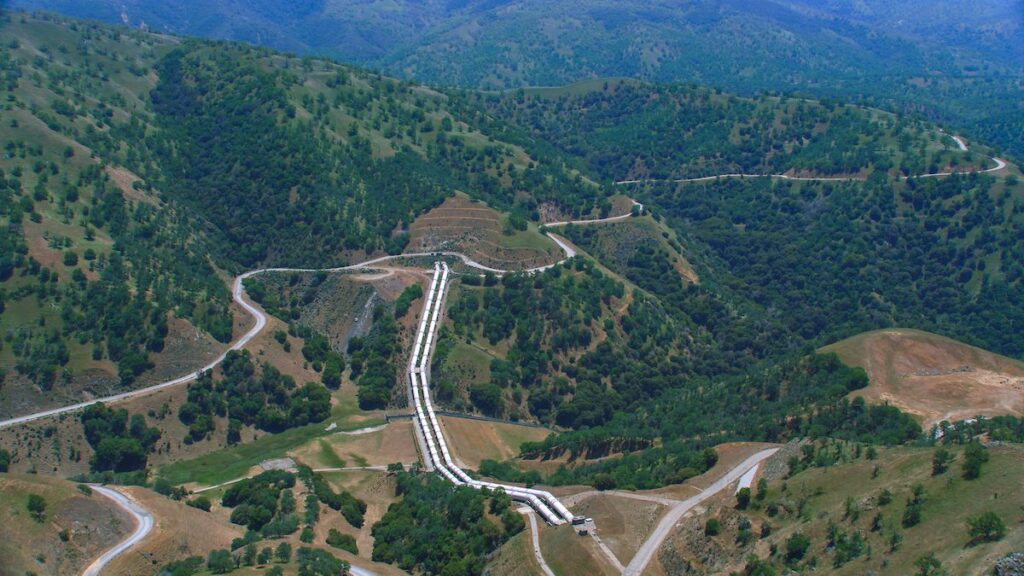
[[1000, 164], [657, 538], [238, 289], [143, 526]]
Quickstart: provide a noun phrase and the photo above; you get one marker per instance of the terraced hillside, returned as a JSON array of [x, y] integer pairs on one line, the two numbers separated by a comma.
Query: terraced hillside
[[483, 234]]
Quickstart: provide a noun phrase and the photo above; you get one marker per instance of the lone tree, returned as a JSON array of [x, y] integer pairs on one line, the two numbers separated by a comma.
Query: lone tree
[[940, 461], [36, 507], [743, 498], [283, 552], [987, 527], [974, 456], [929, 566], [796, 547], [220, 562]]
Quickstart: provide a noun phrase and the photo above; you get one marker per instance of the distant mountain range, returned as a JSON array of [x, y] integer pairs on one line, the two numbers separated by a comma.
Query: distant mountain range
[[955, 61], [661, 39]]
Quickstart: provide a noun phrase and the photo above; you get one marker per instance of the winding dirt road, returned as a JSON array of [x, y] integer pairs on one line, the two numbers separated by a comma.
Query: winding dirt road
[[668, 521], [238, 290], [143, 526], [960, 143]]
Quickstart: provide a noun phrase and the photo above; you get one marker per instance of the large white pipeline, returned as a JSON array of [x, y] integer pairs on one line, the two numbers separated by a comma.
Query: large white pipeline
[[443, 465], [413, 363], [542, 501]]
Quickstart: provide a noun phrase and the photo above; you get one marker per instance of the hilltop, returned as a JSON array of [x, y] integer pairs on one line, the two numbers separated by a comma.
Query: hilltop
[[934, 378]]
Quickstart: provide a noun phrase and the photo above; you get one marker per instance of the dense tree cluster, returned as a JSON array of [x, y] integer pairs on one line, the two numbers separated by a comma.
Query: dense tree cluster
[[627, 129], [350, 507], [229, 126], [263, 501], [547, 319], [118, 444], [319, 562], [374, 361], [997, 429], [437, 528], [935, 254], [405, 300], [797, 397], [250, 396]]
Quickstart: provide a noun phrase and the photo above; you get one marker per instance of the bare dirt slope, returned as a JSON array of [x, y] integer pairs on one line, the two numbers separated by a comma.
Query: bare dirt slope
[[932, 377], [473, 440], [470, 227], [623, 523], [75, 528]]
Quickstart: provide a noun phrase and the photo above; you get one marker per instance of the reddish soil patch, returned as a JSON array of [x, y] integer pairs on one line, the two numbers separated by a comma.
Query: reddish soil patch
[[934, 378], [462, 225], [124, 179]]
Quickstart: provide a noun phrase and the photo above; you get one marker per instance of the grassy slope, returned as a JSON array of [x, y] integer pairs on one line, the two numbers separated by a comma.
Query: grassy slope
[[91, 523], [948, 501], [471, 441], [617, 241], [44, 51], [235, 461]]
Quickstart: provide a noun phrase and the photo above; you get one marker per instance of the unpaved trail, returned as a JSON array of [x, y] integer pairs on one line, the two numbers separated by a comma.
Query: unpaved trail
[[237, 294], [535, 539], [960, 143], [657, 538], [143, 521]]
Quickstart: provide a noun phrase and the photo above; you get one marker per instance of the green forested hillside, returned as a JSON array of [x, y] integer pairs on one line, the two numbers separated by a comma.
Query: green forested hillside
[[833, 259], [958, 62], [97, 268], [143, 171], [140, 170], [623, 129]]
